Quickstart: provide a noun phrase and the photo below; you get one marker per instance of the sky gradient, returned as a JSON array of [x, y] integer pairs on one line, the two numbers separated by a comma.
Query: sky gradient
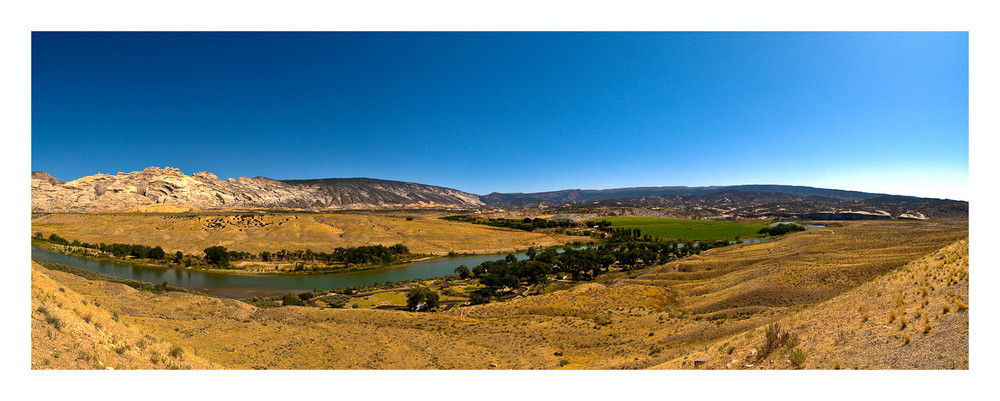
[[512, 112]]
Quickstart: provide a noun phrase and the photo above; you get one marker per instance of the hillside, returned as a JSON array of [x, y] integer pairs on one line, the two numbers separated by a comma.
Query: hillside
[[594, 195], [257, 232], [915, 317], [152, 186], [736, 202], [72, 331], [714, 305]]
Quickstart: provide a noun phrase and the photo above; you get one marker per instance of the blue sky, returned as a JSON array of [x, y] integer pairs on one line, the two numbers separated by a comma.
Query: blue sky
[[512, 112]]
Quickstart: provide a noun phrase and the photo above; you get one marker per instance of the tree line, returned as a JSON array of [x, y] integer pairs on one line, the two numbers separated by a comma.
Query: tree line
[[220, 256], [781, 229], [367, 254], [118, 250], [576, 264], [525, 224]]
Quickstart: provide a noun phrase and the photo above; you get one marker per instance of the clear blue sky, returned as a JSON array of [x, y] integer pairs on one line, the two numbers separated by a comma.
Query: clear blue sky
[[511, 112]]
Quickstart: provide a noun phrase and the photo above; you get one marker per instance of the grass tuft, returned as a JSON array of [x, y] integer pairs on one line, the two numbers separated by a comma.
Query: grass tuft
[[797, 357], [176, 352]]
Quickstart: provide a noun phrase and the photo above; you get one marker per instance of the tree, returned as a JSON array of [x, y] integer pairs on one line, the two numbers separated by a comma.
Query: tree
[[531, 253], [418, 296], [478, 297], [463, 272], [217, 255], [400, 249], [157, 253]]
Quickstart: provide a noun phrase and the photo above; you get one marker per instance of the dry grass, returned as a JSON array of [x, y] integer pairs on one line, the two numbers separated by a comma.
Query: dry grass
[[67, 332], [192, 233], [899, 340]]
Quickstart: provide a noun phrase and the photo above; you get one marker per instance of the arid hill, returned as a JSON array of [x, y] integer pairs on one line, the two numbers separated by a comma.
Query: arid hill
[[104, 192], [736, 202]]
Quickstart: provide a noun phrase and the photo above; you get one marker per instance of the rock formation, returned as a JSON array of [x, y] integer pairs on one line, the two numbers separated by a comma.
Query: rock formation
[[104, 192]]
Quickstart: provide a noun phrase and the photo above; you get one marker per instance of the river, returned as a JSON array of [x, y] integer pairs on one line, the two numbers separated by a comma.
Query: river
[[242, 286]]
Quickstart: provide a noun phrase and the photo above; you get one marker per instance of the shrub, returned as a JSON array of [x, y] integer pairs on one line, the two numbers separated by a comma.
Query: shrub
[[306, 295], [337, 300], [54, 321], [176, 352], [774, 339], [292, 300], [563, 362], [602, 321], [797, 357], [49, 318]]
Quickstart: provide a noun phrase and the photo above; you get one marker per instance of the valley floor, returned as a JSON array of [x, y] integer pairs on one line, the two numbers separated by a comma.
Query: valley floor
[[842, 293]]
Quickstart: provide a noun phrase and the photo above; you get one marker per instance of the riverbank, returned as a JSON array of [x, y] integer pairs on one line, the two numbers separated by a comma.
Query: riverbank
[[240, 267]]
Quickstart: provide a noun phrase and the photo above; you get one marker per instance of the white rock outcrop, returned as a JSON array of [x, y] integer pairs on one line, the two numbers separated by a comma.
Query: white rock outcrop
[[204, 190]]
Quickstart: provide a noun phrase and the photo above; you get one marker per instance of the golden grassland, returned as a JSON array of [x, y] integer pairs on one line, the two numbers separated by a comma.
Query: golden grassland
[[835, 290], [915, 317], [71, 331], [255, 233]]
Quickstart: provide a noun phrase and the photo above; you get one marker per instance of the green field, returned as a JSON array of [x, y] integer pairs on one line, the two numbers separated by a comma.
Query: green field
[[689, 229]]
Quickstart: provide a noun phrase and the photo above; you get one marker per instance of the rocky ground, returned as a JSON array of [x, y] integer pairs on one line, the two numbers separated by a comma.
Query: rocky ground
[[153, 186]]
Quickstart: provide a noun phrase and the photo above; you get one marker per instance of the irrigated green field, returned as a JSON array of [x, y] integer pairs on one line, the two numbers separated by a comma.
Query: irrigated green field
[[689, 229]]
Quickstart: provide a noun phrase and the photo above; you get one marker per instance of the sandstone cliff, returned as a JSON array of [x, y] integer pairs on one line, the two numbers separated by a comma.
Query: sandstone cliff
[[204, 190]]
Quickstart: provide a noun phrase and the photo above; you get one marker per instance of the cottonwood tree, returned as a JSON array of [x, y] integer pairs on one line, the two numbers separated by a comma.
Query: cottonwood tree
[[217, 255], [418, 296]]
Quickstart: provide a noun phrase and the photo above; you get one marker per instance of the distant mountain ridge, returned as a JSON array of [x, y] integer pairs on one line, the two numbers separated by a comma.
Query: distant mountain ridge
[[736, 202], [592, 195], [153, 186], [164, 188]]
